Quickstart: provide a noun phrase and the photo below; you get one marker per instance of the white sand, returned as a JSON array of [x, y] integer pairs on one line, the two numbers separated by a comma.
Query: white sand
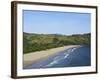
[[29, 58]]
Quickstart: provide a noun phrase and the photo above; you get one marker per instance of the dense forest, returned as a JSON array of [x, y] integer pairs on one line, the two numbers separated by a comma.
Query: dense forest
[[36, 42]]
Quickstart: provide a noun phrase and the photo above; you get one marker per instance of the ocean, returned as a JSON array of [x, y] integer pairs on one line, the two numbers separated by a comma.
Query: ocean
[[73, 57]]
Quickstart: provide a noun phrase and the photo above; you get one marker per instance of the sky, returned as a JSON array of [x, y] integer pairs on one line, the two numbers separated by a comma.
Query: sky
[[46, 22]]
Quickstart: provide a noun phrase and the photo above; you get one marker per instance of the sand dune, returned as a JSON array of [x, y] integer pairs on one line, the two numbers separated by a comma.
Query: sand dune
[[29, 58]]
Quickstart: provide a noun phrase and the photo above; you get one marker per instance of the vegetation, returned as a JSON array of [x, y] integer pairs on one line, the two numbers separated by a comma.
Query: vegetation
[[36, 42]]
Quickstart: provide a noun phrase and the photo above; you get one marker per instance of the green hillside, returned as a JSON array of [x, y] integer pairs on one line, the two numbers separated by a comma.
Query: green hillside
[[36, 42]]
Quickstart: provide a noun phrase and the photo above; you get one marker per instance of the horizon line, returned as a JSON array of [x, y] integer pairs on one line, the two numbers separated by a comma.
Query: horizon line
[[58, 33]]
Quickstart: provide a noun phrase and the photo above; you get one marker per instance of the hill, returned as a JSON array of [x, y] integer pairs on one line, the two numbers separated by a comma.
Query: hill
[[36, 42]]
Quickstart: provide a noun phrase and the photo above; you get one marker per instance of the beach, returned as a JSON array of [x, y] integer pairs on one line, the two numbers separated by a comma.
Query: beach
[[32, 57]]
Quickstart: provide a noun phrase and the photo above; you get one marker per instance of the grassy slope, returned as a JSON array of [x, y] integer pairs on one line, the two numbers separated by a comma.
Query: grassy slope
[[37, 42]]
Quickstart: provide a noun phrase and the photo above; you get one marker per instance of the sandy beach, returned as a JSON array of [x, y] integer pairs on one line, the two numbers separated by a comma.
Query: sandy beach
[[30, 58]]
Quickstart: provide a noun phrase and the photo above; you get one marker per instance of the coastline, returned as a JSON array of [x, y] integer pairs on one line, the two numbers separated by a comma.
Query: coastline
[[32, 57]]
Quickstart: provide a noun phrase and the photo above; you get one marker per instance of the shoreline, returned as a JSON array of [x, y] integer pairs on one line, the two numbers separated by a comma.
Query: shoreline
[[32, 57]]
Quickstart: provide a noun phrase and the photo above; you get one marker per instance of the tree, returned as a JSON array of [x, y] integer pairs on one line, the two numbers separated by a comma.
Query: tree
[[55, 40]]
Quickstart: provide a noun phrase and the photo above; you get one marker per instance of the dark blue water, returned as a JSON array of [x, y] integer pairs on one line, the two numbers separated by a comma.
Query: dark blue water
[[72, 57]]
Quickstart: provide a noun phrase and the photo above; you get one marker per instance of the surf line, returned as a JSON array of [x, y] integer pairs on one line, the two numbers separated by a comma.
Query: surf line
[[59, 58]]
